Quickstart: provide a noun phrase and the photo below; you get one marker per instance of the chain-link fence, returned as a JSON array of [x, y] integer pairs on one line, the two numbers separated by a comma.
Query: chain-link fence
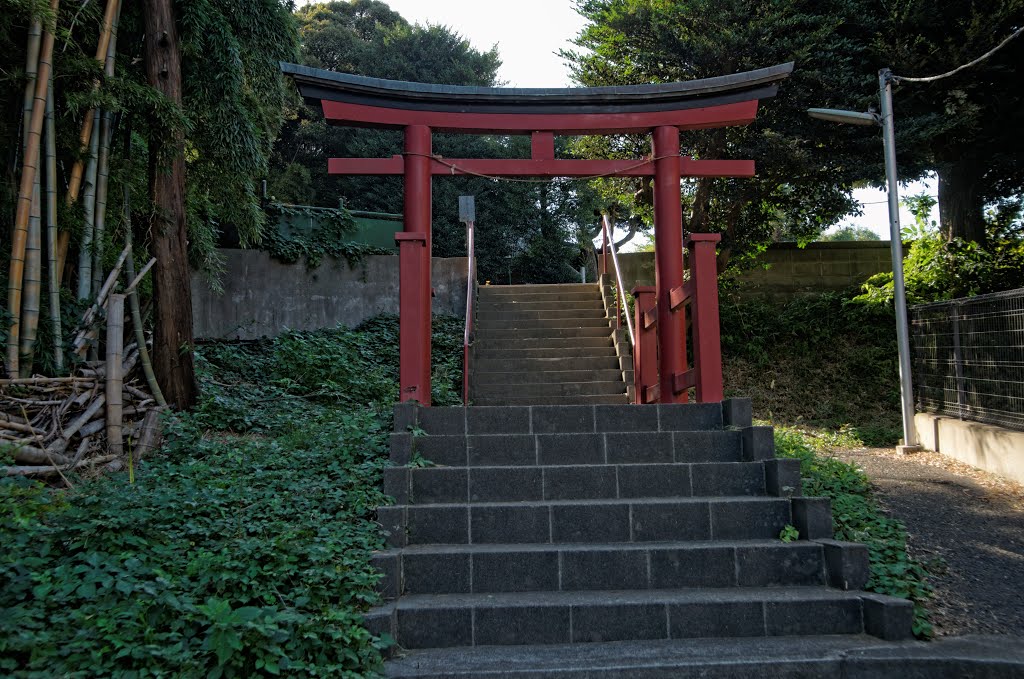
[[968, 358]]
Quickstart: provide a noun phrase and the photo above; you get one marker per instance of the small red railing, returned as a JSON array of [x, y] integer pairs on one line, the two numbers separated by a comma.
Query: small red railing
[[470, 289], [700, 294]]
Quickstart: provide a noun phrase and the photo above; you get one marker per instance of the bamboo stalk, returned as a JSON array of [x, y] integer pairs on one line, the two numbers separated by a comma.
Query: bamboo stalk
[[31, 285], [28, 177], [103, 163], [75, 182], [114, 381], [51, 230], [88, 247], [35, 37], [100, 208]]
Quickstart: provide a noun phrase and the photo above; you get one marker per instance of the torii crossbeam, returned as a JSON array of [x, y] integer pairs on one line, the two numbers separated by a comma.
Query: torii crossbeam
[[421, 109]]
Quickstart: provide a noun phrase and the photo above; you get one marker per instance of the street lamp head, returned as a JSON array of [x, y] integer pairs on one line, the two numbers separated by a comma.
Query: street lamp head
[[846, 117]]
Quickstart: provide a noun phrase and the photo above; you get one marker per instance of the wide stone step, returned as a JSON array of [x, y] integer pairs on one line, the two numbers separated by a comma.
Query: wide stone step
[[503, 619], [488, 314], [598, 448], [485, 352], [553, 304], [544, 364], [430, 485], [608, 399], [563, 321], [853, 656], [590, 521], [539, 288], [433, 569], [509, 343], [542, 333], [550, 388], [481, 378]]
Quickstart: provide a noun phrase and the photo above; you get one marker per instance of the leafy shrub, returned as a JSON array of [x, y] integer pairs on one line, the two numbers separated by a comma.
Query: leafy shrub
[[818, 360], [243, 549], [857, 517]]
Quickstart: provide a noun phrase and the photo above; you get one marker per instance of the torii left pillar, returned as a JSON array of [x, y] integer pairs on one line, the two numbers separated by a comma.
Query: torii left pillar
[[414, 250]]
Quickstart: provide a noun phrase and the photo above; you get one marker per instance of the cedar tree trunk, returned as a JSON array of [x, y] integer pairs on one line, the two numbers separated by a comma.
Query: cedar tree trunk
[[961, 211], [172, 338]]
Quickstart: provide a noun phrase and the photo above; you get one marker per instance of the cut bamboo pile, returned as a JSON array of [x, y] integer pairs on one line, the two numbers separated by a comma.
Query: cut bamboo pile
[[51, 425]]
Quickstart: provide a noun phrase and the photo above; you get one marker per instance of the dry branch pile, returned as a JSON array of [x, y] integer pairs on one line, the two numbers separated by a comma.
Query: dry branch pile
[[54, 424]]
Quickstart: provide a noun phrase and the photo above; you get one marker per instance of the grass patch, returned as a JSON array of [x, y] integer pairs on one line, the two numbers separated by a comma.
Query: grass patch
[[857, 517], [243, 548], [820, 361]]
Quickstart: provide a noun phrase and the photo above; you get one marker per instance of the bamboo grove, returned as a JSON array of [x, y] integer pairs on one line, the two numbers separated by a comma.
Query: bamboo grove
[[88, 133]]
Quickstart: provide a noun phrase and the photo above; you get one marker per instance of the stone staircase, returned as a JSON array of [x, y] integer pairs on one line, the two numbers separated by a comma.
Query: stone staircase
[[545, 344], [546, 539]]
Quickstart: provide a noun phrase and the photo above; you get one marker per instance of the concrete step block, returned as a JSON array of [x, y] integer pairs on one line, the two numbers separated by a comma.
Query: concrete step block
[[565, 321], [605, 399], [481, 378], [447, 569], [537, 365], [569, 477], [549, 389], [587, 521], [812, 516], [558, 305], [488, 334], [493, 313], [487, 424], [525, 343], [515, 618], [602, 352]]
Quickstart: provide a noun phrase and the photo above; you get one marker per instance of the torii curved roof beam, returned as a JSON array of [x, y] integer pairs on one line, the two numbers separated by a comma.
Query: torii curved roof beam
[[374, 102]]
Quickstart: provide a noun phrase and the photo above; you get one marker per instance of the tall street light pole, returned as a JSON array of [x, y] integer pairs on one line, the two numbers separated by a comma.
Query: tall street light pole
[[885, 120]]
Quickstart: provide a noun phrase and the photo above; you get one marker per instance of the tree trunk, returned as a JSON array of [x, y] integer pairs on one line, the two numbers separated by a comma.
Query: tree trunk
[[961, 211], [172, 337]]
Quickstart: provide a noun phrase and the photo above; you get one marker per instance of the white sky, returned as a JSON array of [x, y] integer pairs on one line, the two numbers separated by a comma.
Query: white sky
[[529, 34]]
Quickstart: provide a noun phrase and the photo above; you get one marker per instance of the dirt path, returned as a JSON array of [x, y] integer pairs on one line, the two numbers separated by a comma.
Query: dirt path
[[973, 521]]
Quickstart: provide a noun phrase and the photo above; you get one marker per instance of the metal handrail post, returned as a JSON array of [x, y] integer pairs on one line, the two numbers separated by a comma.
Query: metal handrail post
[[606, 225], [470, 280]]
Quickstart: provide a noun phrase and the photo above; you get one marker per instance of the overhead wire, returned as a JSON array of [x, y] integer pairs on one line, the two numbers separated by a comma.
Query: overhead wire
[[983, 57]]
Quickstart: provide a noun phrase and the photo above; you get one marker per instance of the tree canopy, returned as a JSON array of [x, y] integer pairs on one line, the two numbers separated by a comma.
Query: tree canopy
[[807, 168]]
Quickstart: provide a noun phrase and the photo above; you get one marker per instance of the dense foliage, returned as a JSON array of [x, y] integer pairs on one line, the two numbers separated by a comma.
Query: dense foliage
[[243, 548], [819, 360], [857, 517], [937, 268], [963, 127]]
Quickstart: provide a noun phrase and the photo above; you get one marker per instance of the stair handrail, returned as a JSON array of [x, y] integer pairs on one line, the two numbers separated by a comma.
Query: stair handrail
[[620, 292], [470, 288]]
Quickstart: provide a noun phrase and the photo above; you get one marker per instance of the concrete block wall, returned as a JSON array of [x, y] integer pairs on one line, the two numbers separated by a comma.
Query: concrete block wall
[[262, 297], [986, 446], [786, 270]]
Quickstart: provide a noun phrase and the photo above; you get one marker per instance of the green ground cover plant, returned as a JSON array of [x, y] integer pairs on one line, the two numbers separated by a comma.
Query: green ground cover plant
[[822, 361], [857, 517], [242, 548]]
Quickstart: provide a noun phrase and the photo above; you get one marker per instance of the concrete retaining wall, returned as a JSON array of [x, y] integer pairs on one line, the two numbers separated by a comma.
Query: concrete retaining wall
[[818, 267], [994, 449], [262, 296]]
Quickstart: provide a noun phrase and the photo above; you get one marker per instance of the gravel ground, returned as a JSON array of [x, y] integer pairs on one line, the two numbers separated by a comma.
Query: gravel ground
[[972, 520]]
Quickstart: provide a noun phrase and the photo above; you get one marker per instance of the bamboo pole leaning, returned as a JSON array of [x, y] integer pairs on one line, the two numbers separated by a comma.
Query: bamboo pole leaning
[[31, 284], [25, 191]]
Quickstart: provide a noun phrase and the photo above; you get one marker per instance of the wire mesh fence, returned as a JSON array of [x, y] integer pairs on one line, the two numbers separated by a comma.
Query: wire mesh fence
[[968, 358]]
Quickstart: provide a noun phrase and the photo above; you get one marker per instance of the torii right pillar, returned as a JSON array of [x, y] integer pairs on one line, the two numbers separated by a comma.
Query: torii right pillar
[[668, 262]]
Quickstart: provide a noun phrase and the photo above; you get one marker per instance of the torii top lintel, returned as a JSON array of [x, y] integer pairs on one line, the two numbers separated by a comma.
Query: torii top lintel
[[374, 102]]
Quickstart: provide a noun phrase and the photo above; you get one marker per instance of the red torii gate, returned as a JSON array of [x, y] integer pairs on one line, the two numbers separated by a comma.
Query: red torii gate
[[661, 110]]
